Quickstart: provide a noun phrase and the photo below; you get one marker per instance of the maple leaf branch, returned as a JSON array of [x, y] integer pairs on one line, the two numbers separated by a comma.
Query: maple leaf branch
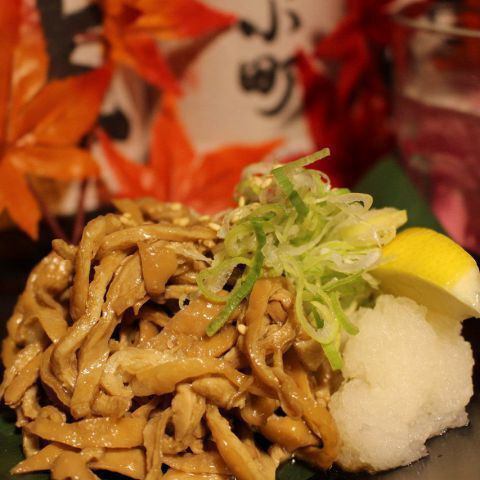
[[49, 217], [79, 222]]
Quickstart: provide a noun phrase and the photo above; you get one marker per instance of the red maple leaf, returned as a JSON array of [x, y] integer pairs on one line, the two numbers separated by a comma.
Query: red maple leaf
[[133, 28], [354, 45], [357, 132], [40, 123], [346, 103], [176, 173]]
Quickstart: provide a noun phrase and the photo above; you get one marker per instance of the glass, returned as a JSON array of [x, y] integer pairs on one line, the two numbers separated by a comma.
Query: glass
[[437, 112]]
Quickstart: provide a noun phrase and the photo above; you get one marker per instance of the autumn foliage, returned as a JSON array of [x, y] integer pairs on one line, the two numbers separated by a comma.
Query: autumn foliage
[[41, 121], [211, 177], [346, 102], [44, 123], [133, 27], [47, 125]]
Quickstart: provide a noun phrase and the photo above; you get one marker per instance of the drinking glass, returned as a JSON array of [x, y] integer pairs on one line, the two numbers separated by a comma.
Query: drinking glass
[[437, 112]]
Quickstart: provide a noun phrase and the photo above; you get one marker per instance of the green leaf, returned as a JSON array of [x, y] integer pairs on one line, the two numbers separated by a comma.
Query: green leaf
[[10, 447], [390, 186], [295, 471]]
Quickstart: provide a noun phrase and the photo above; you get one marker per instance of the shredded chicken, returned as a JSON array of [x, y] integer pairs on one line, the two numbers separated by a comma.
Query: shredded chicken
[[108, 366]]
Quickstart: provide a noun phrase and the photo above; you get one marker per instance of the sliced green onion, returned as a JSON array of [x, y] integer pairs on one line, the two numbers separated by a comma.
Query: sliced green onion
[[331, 325], [287, 187], [243, 287], [324, 240], [342, 282], [280, 174], [341, 191], [330, 328], [222, 270], [267, 213], [318, 319], [308, 159], [237, 242], [332, 352], [348, 326]]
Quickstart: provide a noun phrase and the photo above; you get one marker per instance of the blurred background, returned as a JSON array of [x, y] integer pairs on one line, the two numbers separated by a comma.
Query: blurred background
[[174, 98]]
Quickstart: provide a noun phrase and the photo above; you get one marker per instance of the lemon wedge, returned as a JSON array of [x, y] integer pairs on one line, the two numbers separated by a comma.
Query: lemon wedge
[[433, 270]]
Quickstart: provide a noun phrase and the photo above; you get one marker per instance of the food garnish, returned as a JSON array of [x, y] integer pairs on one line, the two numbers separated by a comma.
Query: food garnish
[[167, 343], [291, 222], [433, 270]]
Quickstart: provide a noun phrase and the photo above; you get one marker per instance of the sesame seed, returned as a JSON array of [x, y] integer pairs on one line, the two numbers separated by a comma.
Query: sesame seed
[[126, 219], [214, 226], [265, 183], [209, 243], [182, 221], [242, 329]]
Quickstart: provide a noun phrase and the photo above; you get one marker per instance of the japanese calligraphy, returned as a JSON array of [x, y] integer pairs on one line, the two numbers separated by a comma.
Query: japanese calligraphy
[[60, 31], [262, 74], [266, 73]]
